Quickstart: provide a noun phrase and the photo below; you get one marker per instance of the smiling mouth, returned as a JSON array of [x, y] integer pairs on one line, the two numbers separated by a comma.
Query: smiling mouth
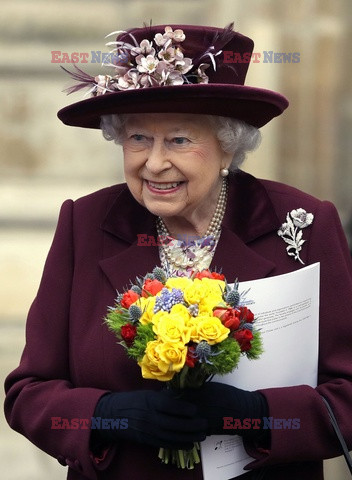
[[163, 186]]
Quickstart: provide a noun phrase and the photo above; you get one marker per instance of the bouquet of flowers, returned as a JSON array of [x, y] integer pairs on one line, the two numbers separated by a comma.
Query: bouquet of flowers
[[183, 331]]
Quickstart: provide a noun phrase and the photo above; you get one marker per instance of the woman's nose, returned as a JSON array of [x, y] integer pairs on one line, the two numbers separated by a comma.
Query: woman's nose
[[158, 158]]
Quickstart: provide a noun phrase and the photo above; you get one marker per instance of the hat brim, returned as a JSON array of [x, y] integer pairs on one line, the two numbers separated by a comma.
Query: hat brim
[[255, 106]]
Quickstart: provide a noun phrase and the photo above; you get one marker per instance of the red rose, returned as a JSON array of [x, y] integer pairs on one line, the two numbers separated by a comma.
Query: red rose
[[190, 359], [128, 298], [209, 274], [203, 274], [244, 338], [218, 276], [219, 312], [246, 315], [229, 317], [151, 287], [128, 333]]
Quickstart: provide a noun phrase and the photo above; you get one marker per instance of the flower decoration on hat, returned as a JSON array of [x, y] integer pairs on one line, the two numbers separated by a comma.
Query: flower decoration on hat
[[149, 63], [291, 231], [169, 68]]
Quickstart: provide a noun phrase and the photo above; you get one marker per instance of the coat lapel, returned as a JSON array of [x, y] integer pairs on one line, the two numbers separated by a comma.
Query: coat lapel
[[127, 220], [249, 216], [237, 261], [135, 261]]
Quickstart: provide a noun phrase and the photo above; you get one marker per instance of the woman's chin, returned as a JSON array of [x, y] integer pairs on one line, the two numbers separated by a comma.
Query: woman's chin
[[161, 211], [162, 207]]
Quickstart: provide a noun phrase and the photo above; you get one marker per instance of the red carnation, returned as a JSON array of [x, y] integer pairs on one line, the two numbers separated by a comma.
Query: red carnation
[[244, 338], [151, 287], [128, 333], [128, 298]]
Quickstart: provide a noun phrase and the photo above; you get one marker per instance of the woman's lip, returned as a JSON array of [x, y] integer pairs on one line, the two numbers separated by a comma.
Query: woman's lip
[[159, 191]]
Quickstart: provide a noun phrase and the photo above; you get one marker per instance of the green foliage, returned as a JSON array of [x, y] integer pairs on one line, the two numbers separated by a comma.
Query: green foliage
[[257, 347], [115, 319], [228, 358], [144, 335]]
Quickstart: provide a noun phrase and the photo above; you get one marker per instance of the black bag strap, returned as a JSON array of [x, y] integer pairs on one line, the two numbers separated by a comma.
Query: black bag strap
[[338, 434]]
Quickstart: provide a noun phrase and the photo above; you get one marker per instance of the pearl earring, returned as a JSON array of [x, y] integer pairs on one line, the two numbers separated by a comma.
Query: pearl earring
[[224, 172]]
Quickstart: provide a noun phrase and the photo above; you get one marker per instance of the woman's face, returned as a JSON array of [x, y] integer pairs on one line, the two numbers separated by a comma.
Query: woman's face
[[172, 164]]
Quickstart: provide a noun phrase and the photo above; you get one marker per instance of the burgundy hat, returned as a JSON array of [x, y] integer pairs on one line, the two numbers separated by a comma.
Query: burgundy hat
[[176, 68]]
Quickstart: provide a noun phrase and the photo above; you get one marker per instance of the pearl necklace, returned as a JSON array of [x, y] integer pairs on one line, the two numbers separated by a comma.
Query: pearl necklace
[[186, 255]]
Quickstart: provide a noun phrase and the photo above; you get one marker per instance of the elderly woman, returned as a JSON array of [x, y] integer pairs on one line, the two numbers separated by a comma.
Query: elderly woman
[[185, 121]]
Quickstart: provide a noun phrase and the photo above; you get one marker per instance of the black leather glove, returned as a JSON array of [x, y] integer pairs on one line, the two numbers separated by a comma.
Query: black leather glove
[[155, 418], [216, 401]]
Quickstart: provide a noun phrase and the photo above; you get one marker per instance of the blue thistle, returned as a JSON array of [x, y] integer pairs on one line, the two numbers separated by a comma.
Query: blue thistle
[[137, 289], [248, 326], [168, 299], [135, 313], [118, 298], [160, 274], [204, 352], [232, 296]]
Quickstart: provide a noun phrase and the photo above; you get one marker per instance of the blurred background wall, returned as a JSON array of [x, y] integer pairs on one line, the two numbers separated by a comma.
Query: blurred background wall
[[43, 162]]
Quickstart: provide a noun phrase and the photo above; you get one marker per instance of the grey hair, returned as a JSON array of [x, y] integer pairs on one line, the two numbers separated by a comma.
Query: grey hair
[[235, 136]]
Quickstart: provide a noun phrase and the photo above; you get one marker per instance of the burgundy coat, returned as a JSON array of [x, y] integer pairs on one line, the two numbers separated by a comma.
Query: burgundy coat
[[71, 358]]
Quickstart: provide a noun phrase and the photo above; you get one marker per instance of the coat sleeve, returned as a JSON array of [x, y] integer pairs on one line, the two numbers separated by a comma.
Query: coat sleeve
[[315, 438], [40, 390]]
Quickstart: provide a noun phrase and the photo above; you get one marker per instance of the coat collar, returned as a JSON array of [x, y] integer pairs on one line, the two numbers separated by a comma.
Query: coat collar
[[249, 215]]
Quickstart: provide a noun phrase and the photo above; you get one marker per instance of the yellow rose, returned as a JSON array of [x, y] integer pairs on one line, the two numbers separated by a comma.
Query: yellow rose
[[192, 326], [207, 304], [178, 282], [209, 329], [172, 354], [146, 304], [152, 372], [214, 286], [195, 292], [181, 311], [159, 316], [172, 328], [205, 309], [151, 352], [152, 366]]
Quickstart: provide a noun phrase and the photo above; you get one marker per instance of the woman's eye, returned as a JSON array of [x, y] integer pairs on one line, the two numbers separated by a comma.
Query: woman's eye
[[180, 140], [137, 137]]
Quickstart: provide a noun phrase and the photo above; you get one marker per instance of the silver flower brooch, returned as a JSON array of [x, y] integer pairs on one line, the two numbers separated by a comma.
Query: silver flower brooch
[[291, 231]]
